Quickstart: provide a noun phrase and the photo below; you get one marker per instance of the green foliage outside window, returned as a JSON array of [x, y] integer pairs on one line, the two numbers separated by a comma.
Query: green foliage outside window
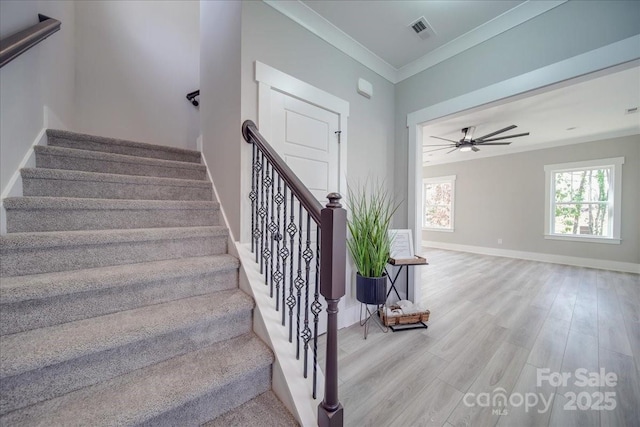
[[582, 202]]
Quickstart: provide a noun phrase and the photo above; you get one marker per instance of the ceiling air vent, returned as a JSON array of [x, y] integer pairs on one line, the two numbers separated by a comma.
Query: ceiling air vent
[[422, 28]]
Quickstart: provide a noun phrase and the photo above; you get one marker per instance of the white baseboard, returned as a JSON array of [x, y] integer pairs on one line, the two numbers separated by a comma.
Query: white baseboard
[[14, 186], [601, 264], [215, 193]]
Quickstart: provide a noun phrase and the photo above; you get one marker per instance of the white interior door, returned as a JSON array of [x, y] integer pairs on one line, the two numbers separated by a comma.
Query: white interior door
[[307, 138]]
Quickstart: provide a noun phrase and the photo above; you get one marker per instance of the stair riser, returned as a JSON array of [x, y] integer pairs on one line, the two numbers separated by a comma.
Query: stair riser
[[40, 313], [49, 161], [31, 220], [123, 149], [16, 262], [112, 190], [52, 381], [203, 409]]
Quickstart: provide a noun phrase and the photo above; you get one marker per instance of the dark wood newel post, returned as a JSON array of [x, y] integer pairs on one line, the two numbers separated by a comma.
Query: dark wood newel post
[[333, 257]]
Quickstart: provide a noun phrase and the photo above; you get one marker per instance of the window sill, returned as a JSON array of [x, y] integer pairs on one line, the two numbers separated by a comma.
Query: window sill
[[447, 230], [585, 239]]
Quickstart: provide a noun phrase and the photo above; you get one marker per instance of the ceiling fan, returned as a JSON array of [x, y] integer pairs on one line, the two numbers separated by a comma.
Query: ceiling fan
[[468, 143]]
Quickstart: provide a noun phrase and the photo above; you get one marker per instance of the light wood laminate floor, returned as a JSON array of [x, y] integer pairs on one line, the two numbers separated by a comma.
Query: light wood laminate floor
[[495, 322]]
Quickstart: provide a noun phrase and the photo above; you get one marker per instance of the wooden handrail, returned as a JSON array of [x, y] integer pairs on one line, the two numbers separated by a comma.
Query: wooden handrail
[[14, 45], [252, 135]]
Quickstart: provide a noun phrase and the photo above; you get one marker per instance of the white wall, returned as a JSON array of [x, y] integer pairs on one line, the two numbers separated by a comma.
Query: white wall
[[220, 101], [42, 76], [570, 29], [136, 61], [503, 197]]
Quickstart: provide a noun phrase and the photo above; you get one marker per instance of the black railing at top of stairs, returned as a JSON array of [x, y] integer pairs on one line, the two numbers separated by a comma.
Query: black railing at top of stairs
[[191, 96], [285, 219]]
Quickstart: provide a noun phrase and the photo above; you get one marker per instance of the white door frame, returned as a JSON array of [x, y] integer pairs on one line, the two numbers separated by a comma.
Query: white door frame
[[539, 80]]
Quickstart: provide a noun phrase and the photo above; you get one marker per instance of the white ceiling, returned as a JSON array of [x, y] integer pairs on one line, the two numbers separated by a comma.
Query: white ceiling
[[383, 26], [377, 33], [594, 108]]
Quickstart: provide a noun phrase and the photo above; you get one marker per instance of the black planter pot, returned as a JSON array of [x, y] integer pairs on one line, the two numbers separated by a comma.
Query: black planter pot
[[371, 290]]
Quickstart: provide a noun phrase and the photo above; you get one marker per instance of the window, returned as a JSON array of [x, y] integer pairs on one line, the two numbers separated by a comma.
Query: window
[[583, 200], [437, 203]]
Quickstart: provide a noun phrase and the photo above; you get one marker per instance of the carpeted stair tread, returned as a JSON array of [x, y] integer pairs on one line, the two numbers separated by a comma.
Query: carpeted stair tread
[[68, 203], [184, 390], [42, 300], [61, 138], [70, 183], [51, 251], [47, 285], [265, 410], [70, 175], [50, 157], [52, 239], [39, 348], [37, 214]]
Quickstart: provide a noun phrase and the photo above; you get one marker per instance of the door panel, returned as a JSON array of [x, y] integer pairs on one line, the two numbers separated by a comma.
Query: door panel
[[304, 135]]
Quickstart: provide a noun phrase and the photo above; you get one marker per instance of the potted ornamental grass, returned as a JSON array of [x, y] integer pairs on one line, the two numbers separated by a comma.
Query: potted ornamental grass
[[369, 242]]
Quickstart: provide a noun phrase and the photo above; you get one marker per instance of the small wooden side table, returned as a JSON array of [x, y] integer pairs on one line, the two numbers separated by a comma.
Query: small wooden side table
[[404, 263]]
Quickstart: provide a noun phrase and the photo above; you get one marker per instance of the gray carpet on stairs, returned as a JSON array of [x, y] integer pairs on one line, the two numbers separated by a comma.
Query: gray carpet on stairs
[[26, 214], [96, 161], [61, 138], [119, 304], [66, 183], [265, 410]]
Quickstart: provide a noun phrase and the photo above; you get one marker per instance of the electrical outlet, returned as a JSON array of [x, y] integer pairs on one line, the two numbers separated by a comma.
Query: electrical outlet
[[499, 241]]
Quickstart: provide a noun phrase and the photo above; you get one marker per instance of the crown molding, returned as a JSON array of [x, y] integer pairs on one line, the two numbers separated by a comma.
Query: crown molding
[[498, 25], [321, 27], [318, 25]]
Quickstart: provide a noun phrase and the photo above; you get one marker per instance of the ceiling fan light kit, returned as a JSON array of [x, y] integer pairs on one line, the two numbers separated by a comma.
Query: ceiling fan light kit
[[468, 143]]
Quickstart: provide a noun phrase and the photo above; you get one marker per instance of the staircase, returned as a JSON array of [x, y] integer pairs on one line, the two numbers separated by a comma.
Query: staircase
[[119, 304]]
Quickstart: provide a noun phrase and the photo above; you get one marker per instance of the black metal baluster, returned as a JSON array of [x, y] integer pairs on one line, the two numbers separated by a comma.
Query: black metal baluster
[[252, 195], [272, 231], [284, 253], [262, 212], [291, 300], [316, 309], [268, 237], [308, 256], [277, 275], [299, 279]]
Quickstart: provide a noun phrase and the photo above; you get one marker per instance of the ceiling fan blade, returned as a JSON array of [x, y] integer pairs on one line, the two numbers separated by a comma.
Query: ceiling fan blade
[[437, 145], [496, 143], [504, 137], [452, 150], [444, 139], [437, 149], [496, 132]]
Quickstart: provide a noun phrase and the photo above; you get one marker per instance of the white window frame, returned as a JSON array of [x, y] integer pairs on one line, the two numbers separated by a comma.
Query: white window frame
[[615, 199], [438, 180]]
